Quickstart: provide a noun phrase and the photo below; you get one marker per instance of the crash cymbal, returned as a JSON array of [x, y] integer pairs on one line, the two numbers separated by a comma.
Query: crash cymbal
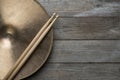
[[20, 20]]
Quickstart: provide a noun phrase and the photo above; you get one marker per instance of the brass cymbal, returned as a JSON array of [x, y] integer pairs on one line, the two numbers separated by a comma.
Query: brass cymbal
[[20, 20]]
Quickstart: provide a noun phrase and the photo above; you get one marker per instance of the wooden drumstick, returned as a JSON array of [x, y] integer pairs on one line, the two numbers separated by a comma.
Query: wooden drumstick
[[31, 47]]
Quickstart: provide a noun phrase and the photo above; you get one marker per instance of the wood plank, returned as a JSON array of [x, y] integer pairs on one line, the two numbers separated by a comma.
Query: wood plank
[[89, 72], [82, 7], [87, 28], [78, 72], [86, 51], [69, 5]]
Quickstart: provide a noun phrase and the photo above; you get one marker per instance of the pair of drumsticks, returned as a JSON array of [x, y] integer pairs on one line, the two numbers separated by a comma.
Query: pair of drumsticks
[[31, 47]]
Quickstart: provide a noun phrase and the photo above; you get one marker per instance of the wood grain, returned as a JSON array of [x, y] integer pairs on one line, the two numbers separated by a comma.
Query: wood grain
[[89, 72], [86, 51], [82, 7], [88, 28], [78, 72]]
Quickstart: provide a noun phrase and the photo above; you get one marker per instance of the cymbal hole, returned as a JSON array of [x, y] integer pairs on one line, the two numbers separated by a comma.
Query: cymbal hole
[[10, 32]]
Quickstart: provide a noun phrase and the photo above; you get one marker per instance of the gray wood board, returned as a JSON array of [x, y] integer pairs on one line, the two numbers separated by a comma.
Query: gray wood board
[[87, 28], [78, 8], [78, 72], [86, 51]]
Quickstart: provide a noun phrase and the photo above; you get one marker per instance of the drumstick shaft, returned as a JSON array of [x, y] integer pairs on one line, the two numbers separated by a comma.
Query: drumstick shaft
[[28, 51]]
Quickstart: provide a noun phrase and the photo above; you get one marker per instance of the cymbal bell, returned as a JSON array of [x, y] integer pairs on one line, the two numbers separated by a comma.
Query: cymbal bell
[[20, 20]]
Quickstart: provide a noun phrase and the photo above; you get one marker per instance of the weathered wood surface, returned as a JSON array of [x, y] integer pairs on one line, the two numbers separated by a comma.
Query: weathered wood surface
[[86, 51], [78, 8], [88, 28], [86, 41], [78, 72]]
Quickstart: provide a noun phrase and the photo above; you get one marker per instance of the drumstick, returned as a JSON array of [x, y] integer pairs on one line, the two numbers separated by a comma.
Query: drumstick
[[28, 51]]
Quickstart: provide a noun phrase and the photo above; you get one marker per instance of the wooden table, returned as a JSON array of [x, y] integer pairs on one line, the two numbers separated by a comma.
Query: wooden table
[[86, 41]]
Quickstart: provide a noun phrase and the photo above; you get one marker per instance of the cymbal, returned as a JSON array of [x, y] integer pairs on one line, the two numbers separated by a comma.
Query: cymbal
[[20, 20]]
